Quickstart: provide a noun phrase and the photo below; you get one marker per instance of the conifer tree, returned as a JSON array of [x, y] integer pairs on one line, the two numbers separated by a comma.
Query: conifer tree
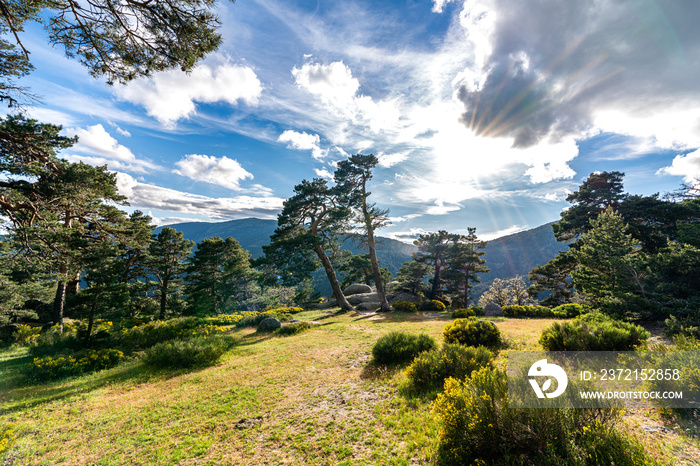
[[167, 262], [465, 263]]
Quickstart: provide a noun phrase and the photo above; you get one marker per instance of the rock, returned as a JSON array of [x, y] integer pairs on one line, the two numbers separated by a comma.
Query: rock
[[363, 298], [369, 306], [357, 288], [269, 324], [657, 429], [402, 296], [493, 310]]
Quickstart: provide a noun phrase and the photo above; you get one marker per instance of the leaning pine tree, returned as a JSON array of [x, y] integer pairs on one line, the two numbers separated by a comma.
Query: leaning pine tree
[[308, 227], [352, 177]]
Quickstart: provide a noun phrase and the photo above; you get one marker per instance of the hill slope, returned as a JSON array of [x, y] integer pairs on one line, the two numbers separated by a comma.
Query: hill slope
[[507, 256]]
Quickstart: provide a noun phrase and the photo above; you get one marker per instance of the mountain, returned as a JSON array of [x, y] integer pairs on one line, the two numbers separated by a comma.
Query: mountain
[[507, 256]]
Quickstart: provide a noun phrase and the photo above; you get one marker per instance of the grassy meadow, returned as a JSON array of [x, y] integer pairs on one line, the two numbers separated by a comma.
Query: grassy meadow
[[307, 399]]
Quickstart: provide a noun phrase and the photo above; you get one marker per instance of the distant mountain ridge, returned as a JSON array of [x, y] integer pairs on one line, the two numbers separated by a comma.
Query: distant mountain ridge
[[507, 257]]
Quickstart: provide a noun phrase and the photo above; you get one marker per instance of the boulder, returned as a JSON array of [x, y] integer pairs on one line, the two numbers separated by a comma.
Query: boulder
[[363, 298], [369, 306], [493, 310], [269, 324], [402, 296], [357, 288]]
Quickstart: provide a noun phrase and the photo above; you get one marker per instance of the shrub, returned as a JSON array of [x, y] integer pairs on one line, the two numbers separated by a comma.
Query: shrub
[[294, 328], [189, 353], [478, 310], [399, 347], [682, 357], [50, 368], [286, 310], [253, 318], [428, 371], [472, 332], [569, 310], [593, 332], [224, 319], [146, 335], [27, 335], [462, 313], [432, 305], [479, 428], [404, 306], [7, 438]]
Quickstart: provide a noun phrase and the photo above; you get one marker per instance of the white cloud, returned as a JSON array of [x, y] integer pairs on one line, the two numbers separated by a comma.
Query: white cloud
[[222, 171], [438, 5], [123, 132], [504, 232], [148, 196], [389, 160], [687, 166], [171, 95], [323, 173], [303, 141], [97, 147], [333, 83]]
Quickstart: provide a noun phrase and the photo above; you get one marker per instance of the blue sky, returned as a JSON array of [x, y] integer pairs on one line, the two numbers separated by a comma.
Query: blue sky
[[483, 113]]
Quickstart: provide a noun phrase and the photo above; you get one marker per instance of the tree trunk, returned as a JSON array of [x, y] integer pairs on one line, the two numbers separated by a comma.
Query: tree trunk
[[466, 289], [371, 244], [163, 298], [436, 278], [59, 304], [333, 279]]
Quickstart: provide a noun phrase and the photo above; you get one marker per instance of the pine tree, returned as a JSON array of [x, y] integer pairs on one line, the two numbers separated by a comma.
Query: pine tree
[[465, 263], [352, 177], [604, 260], [309, 228], [433, 251], [167, 262]]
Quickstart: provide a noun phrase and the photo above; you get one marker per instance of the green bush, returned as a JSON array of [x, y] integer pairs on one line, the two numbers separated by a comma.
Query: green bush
[[463, 313], [478, 310], [472, 332], [295, 327], [432, 305], [593, 332], [189, 353], [569, 310], [683, 358], [50, 367], [399, 347], [404, 306], [428, 371], [478, 428], [146, 335]]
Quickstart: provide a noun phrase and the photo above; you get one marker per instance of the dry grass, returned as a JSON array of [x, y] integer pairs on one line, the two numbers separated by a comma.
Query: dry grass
[[307, 399]]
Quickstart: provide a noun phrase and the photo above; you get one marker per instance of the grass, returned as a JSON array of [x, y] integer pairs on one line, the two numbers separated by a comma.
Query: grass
[[313, 398]]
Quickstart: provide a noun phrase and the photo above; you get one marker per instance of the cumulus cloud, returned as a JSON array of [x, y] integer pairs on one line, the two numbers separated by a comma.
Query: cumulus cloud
[[337, 88], [687, 166], [554, 69], [303, 141], [439, 5], [221, 171], [148, 196], [97, 147], [323, 173], [171, 95]]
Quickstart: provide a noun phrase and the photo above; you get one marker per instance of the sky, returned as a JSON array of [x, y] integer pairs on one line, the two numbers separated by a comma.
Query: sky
[[482, 113]]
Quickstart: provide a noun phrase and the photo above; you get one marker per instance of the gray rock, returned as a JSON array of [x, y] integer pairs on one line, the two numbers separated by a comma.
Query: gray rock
[[369, 306], [402, 296], [357, 288], [657, 429], [269, 324], [363, 298], [493, 310]]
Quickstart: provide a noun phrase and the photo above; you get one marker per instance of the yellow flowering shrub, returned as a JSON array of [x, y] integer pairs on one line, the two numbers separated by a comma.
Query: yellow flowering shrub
[[7, 438], [56, 367], [478, 427], [27, 335]]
